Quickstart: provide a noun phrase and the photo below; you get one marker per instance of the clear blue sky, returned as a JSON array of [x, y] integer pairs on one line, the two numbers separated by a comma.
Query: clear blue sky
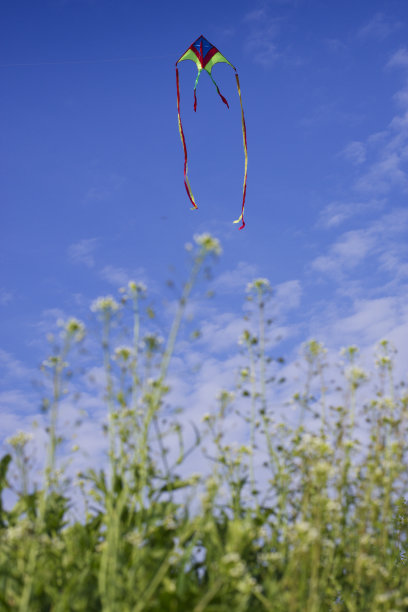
[[92, 187]]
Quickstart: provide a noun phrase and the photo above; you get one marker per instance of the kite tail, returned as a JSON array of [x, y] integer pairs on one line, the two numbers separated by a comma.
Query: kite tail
[[195, 87], [218, 91], [183, 140], [241, 217]]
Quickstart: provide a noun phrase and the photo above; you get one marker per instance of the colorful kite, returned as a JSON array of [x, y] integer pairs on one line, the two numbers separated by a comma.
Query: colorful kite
[[205, 56]]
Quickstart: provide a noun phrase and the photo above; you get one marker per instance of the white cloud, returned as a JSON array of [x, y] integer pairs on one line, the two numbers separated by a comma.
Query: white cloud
[[400, 58], [115, 275], [14, 368], [355, 152], [335, 44], [83, 251], [15, 402], [365, 323], [380, 238], [260, 41], [401, 97], [369, 322], [388, 171], [329, 112], [390, 262], [288, 295], [120, 276], [48, 320], [378, 27], [383, 176], [256, 15], [222, 332], [233, 281], [336, 213], [5, 297], [346, 253], [110, 185]]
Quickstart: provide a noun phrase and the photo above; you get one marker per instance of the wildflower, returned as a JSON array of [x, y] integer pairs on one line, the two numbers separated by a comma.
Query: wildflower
[[170, 523], [384, 362], [314, 349], [225, 397], [356, 376], [152, 342], [271, 557], [350, 352], [19, 532], [135, 539], [247, 338], [261, 285], [53, 362], [384, 359], [208, 243], [306, 531], [123, 353], [245, 450], [105, 305], [20, 439], [169, 585], [233, 564], [333, 506], [135, 287], [322, 469], [74, 329]]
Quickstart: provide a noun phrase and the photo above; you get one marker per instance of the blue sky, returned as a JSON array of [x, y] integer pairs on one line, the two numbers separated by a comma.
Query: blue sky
[[92, 187]]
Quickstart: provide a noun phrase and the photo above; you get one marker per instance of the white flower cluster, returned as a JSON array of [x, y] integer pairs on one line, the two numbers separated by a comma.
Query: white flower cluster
[[261, 285], [19, 439], [208, 243], [356, 376], [137, 287], [105, 305], [74, 329], [123, 353]]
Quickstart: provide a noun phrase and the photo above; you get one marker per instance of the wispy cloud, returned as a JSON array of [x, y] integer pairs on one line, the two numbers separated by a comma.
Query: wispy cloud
[[83, 252], [378, 27], [384, 174], [401, 96], [399, 58], [368, 321], [346, 253], [288, 295], [261, 38], [107, 186], [237, 279], [335, 44], [12, 368], [115, 275], [389, 152], [5, 297], [380, 239], [337, 212], [329, 112], [355, 152], [120, 276]]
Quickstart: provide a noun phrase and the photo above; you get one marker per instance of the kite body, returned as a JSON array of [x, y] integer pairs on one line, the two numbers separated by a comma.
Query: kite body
[[205, 56]]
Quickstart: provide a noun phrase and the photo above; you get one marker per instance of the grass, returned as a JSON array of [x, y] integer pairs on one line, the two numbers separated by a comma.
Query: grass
[[309, 517]]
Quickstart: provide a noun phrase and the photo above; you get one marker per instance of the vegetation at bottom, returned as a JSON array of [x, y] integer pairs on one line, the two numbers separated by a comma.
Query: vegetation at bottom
[[308, 516]]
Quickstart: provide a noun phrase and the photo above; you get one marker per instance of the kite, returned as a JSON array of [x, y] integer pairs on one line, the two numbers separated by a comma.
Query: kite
[[205, 56]]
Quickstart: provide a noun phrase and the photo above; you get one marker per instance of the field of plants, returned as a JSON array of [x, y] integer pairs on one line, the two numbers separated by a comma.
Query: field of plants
[[308, 517]]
